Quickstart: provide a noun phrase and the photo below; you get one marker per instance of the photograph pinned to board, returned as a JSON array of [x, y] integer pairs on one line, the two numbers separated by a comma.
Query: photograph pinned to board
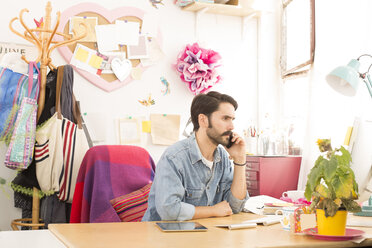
[[88, 59], [130, 129], [140, 51], [149, 25], [165, 129], [107, 38], [127, 33], [90, 22]]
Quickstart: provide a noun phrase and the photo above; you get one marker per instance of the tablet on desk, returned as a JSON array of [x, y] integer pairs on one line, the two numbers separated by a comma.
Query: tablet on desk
[[181, 227]]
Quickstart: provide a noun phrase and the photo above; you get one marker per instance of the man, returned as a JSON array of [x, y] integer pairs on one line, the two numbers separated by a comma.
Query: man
[[194, 177]]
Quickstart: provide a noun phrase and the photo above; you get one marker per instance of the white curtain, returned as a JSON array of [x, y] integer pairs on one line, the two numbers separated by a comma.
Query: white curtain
[[343, 32]]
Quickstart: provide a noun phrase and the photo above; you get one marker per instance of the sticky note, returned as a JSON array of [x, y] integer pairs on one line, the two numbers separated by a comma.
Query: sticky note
[[95, 61], [146, 126], [82, 54]]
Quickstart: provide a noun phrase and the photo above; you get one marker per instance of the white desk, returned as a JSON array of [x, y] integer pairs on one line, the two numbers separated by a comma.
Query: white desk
[[29, 239]]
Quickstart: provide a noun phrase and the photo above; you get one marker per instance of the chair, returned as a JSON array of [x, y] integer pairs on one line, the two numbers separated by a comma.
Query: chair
[[108, 172]]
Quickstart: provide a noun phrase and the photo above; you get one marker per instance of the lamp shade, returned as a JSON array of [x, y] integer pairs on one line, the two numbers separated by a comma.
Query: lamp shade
[[345, 79]]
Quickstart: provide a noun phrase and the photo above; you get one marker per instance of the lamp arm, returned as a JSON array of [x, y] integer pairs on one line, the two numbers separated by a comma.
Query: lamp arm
[[368, 82]]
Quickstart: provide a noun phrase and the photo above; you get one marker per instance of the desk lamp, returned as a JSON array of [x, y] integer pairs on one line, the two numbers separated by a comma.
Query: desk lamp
[[345, 80]]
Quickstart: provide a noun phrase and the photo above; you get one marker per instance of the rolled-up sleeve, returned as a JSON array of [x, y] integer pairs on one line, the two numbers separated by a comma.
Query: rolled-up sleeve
[[236, 204], [170, 192]]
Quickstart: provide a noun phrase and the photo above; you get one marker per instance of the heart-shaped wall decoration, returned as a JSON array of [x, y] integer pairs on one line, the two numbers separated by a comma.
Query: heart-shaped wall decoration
[[106, 82], [121, 68]]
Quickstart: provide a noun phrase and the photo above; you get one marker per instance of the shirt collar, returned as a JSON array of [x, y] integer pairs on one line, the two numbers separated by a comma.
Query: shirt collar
[[195, 152]]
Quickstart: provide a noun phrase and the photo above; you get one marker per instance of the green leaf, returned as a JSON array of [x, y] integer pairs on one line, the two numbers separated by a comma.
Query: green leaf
[[330, 169], [316, 173], [323, 191], [343, 186], [346, 155], [308, 192]]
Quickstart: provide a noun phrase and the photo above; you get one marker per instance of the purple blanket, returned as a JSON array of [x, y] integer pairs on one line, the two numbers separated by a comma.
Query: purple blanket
[[108, 172]]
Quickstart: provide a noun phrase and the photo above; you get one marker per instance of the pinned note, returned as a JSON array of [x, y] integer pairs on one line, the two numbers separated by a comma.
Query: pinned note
[[95, 61], [146, 126], [165, 129], [81, 55]]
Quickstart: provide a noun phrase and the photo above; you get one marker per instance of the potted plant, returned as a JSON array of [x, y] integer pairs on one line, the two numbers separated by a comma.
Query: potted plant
[[332, 188]]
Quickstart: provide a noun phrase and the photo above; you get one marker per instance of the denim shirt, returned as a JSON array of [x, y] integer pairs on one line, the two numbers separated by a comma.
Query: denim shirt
[[182, 181]]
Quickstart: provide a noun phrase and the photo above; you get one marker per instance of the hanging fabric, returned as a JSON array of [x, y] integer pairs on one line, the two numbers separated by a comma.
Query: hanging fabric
[[60, 147], [21, 148], [14, 87]]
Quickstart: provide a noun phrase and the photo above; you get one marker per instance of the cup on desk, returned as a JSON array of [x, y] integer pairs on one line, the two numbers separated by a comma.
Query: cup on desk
[[294, 194], [288, 217]]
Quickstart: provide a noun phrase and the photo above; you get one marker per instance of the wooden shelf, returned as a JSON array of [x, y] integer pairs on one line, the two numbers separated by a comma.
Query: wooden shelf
[[222, 9]]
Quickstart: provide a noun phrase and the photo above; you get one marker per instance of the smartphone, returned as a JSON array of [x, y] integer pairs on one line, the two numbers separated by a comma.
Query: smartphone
[[230, 141]]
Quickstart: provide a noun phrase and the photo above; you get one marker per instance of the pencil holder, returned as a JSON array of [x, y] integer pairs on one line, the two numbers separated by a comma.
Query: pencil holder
[[251, 145]]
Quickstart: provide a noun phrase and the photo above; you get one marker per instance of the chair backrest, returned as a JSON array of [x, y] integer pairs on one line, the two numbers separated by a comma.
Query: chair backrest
[[108, 172]]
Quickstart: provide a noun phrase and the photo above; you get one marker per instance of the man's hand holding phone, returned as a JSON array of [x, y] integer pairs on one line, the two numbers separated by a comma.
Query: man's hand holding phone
[[236, 148]]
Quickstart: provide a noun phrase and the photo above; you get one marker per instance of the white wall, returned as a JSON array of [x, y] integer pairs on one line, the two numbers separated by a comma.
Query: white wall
[[221, 33]]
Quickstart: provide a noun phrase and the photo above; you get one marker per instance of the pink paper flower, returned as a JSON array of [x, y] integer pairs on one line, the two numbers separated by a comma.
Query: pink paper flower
[[197, 68]]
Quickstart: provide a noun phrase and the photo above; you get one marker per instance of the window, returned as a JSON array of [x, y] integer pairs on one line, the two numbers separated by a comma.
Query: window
[[297, 37]]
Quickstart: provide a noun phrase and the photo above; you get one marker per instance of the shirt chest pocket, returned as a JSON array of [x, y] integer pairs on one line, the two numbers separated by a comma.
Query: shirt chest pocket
[[193, 196]]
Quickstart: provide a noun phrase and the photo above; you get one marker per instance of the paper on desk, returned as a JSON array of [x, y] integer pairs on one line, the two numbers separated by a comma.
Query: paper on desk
[[363, 223], [255, 204], [238, 226], [360, 239], [266, 221]]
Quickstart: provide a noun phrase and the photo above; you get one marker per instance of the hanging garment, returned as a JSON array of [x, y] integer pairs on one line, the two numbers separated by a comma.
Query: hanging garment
[[59, 150], [25, 180], [21, 148]]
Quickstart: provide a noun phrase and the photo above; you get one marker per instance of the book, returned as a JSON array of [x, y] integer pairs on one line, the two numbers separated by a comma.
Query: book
[[263, 204]]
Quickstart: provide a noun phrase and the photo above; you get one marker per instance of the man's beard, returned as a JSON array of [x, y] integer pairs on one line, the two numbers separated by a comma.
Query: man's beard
[[217, 138]]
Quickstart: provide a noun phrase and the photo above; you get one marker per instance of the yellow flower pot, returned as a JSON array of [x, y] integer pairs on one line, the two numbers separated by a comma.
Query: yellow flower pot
[[332, 226]]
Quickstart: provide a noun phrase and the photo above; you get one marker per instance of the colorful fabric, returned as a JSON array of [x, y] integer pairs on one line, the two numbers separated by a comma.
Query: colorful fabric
[[21, 148], [108, 172], [75, 146], [131, 207], [20, 152], [13, 88]]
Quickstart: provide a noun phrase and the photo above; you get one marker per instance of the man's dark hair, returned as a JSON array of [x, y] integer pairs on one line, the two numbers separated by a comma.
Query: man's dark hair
[[207, 104]]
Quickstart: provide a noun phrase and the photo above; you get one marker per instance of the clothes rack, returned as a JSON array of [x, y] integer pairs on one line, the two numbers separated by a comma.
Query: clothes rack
[[42, 37]]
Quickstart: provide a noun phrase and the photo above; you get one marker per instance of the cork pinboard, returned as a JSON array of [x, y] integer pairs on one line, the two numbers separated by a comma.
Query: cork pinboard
[[107, 82]]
